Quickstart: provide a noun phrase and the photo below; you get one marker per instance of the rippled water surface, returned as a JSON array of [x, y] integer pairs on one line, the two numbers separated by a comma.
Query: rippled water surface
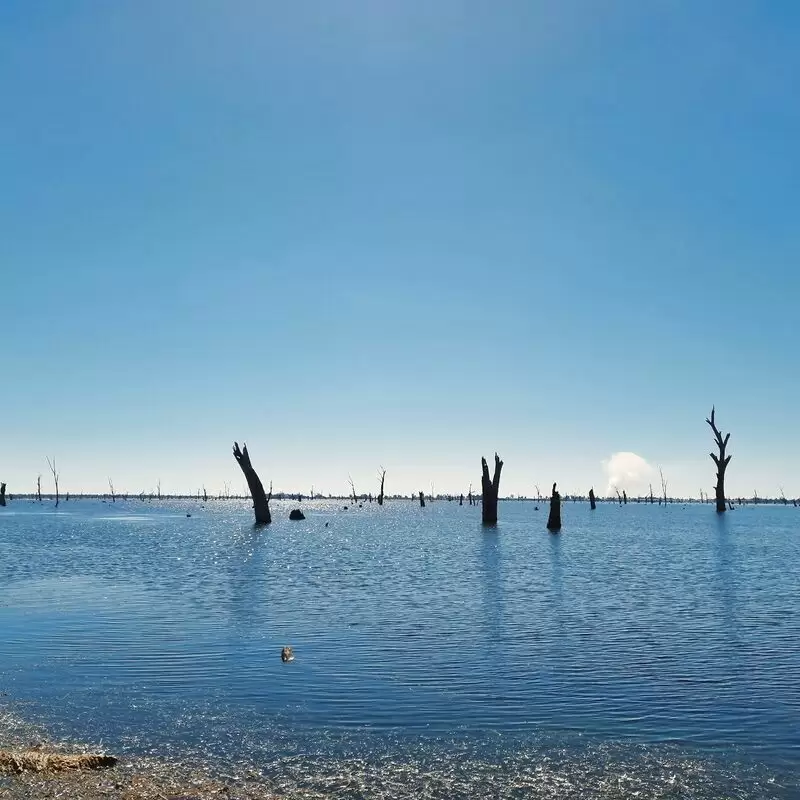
[[644, 649]]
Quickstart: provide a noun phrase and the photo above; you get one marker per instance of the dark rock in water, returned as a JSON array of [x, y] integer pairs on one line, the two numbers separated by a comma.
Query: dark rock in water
[[296, 514], [344, 508], [188, 515], [287, 654]]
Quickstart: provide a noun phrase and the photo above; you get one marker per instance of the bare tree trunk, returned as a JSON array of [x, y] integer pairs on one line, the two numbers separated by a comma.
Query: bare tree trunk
[[721, 461], [624, 497], [111, 486], [619, 496], [422, 500], [490, 487], [39, 488], [471, 501], [383, 478], [260, 499], [205, 494], [651, 494], [52, 465], [353, 489], [461, 499], [592, 503], [664, 485], [2, 495], [554, 519]]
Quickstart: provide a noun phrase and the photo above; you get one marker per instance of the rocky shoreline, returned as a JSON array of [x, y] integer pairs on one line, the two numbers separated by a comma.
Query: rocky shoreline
[[34, 768]]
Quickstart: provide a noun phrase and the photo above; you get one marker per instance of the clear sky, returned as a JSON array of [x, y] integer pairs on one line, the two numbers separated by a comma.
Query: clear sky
[[405, 233]]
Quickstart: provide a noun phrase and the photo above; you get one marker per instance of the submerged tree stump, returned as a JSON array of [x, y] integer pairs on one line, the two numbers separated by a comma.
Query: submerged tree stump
[[2, 494], [554, 519], [592, 503], [383, 479], [721, 461], [422, 500], [490, 487], [260, 499]]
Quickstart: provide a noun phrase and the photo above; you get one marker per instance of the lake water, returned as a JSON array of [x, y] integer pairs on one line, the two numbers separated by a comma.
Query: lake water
[[644, 649]]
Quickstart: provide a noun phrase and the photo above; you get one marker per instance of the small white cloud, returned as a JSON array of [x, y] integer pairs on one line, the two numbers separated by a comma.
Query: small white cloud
[[630, 472]]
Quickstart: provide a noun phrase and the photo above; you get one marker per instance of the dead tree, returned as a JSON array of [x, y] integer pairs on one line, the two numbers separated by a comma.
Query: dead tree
[[490, 487], [422, 499], [554, 518], [260, 499], [624, 497], [2, 494], [783, 496], [652, 500], [721, 461], [619, 496], [111, 486], [205, 494], [664, 485], [158, 488], [353, 489], [461, 499], [538, 493], [592, 503], [383, 478], [39, 488], [469, 496], [52, 465]]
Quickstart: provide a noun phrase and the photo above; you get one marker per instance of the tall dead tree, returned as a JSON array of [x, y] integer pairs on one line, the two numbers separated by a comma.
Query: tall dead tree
[[158, 488], [652, 500], [52, 465], [352, 489], [554, 518], [619, 496], [111, 486], [624, 497], [490, 487], [664, 485], [382, 476], [592, 503], [2, 494], [469, 496], [39, 488], [720, 460], [422, 499], [260, 499]]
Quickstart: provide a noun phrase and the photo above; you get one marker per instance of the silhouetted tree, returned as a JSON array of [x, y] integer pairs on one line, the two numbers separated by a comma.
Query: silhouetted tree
[[260, 499], [490, 487], [39, 488], [554, 518], [624, 497], [422, 500], [461, 499], [664, 485], [52, 465], [383, 479], [592, 503], [111, 486], [2, 494], [352, 489], [652, 500], [721, 461], [619, 496], [471, 501]]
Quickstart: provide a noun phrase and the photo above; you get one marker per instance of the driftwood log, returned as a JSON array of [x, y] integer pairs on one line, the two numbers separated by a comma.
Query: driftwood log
[[16, 762], [491, 487], [260, 499]]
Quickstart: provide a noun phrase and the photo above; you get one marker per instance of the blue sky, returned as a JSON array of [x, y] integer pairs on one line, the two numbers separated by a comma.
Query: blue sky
[[400, 233]]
